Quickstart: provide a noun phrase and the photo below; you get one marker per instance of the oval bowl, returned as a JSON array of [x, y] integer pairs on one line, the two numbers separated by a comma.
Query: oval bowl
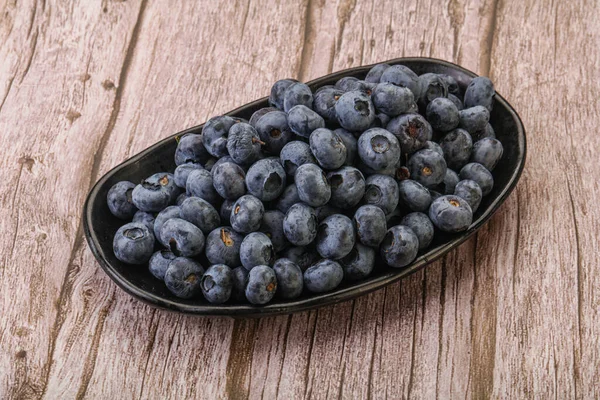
[[100, 225]]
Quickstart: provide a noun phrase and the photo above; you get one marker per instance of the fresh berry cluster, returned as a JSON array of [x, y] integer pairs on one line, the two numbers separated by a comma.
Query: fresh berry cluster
[[313, 189]]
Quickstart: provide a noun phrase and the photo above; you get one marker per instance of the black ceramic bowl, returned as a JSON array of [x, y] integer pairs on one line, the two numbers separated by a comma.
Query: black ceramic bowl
[[100, 225]]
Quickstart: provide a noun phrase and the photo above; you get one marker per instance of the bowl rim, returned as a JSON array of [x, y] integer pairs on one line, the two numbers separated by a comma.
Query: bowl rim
[[315, 300]]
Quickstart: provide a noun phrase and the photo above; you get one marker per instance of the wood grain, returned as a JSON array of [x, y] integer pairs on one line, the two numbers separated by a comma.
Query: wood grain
[[84, 85]]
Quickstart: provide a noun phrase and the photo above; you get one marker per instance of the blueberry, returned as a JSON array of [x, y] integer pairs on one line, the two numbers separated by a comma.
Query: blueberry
[[200, 213], [457, 147], [312, 185], [240, 281], [144, 218], [256, 249], [190, 149], [359, 263], [473, 119], [457, 102], [414, 195], [328, 148], [402, 174], [401, 75], [162, 217], [378, 148], [243, 143], [181, 198], [323, 276], [433, 146], [324, 103], [427, 167], [272, 226], [374, 74], [450, 181], [151, 195], [259, 113], [222, 160], [214, 135], [167, 182], [391, 99], [470, 191], [442, 114], [277, 91], [422, 227], [183, 277], [346, 83], [210, 163], [432, 86], [229, 180], [369, 222], [200, 184], [294, 154], [183, 238], [274, 131], [480, 92], [119, 199], [266, 179], [355, 111], [133, 243], [217, 283], [451, 84], [223, 246], [300, 224], [347, 187], [382, 191], [399, 247], [487, 152], [289, 278], [335, 237], [297, 94], [302, 120], [434, 195], [183, 171], [225, 211], [262, 285], [381, 120], [479, 174], [351, 145], [326, 211], [288, 198], [487, 132], [246, 214], [302, 256], [411, 130], [159, 262], [451, 214]]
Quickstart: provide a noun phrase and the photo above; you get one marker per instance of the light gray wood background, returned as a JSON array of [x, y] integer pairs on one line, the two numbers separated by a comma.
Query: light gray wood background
[[513, 313]]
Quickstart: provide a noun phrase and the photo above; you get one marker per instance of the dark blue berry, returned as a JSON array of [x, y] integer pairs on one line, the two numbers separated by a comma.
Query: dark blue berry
[[473, 119], [162, 217], [414, 195], [223, 246], [450, 181], [374, 74], [355, 111], [312, 185], [323, 276], [258, 115], [300, 224], [190, 149], [266, 179], [229, 180], [457, 146], [159, 262], [133, 243], [378, 149], [422, 227], [487, 152], [434, 146], [453, 87], [303, 256], [152, 195], [225, 211], [403, 76], [289, 278], [243, 143], [274, 131], [451, 213], [288, 198], [442, 114], [246, 214], [183, 277], [277, 91], [432, 86], [294, 154], [297, 94], [200, 184], [183, 171], [411, 130], [181, 198], [457, 102], [399, 247], [359, 263], [240, 281], [324, 103], [119, 199], [256, 249], [182, 237], [347, 187], [427, 167], [144, 218], [217, 283], [302, 120], [381, 191], [214, 135], [200, 213], [346, 83], [369, 222], [487, 132], [262, 285], [335, 237], [351, 145], [328, 148], [326, 211], [480, 92], [272, 226], [392, 100], [479, 174], [470, 191]]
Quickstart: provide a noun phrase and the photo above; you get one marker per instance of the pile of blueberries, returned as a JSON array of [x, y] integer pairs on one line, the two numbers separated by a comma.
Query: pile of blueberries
[[313, 189]]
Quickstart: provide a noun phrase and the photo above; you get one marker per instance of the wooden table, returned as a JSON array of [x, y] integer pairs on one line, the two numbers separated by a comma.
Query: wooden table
[[513, 313]]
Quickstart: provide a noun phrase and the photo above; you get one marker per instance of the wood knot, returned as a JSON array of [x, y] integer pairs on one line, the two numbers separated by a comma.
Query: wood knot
[[72, 115], [108, 84], [27, 161], [21, 354]]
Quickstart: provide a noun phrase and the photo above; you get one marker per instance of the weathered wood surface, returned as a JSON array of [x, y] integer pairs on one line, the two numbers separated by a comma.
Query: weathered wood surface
[[513, 313]]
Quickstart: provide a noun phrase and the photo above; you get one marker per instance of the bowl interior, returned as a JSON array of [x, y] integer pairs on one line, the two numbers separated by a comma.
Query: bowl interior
[[100, 225]]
